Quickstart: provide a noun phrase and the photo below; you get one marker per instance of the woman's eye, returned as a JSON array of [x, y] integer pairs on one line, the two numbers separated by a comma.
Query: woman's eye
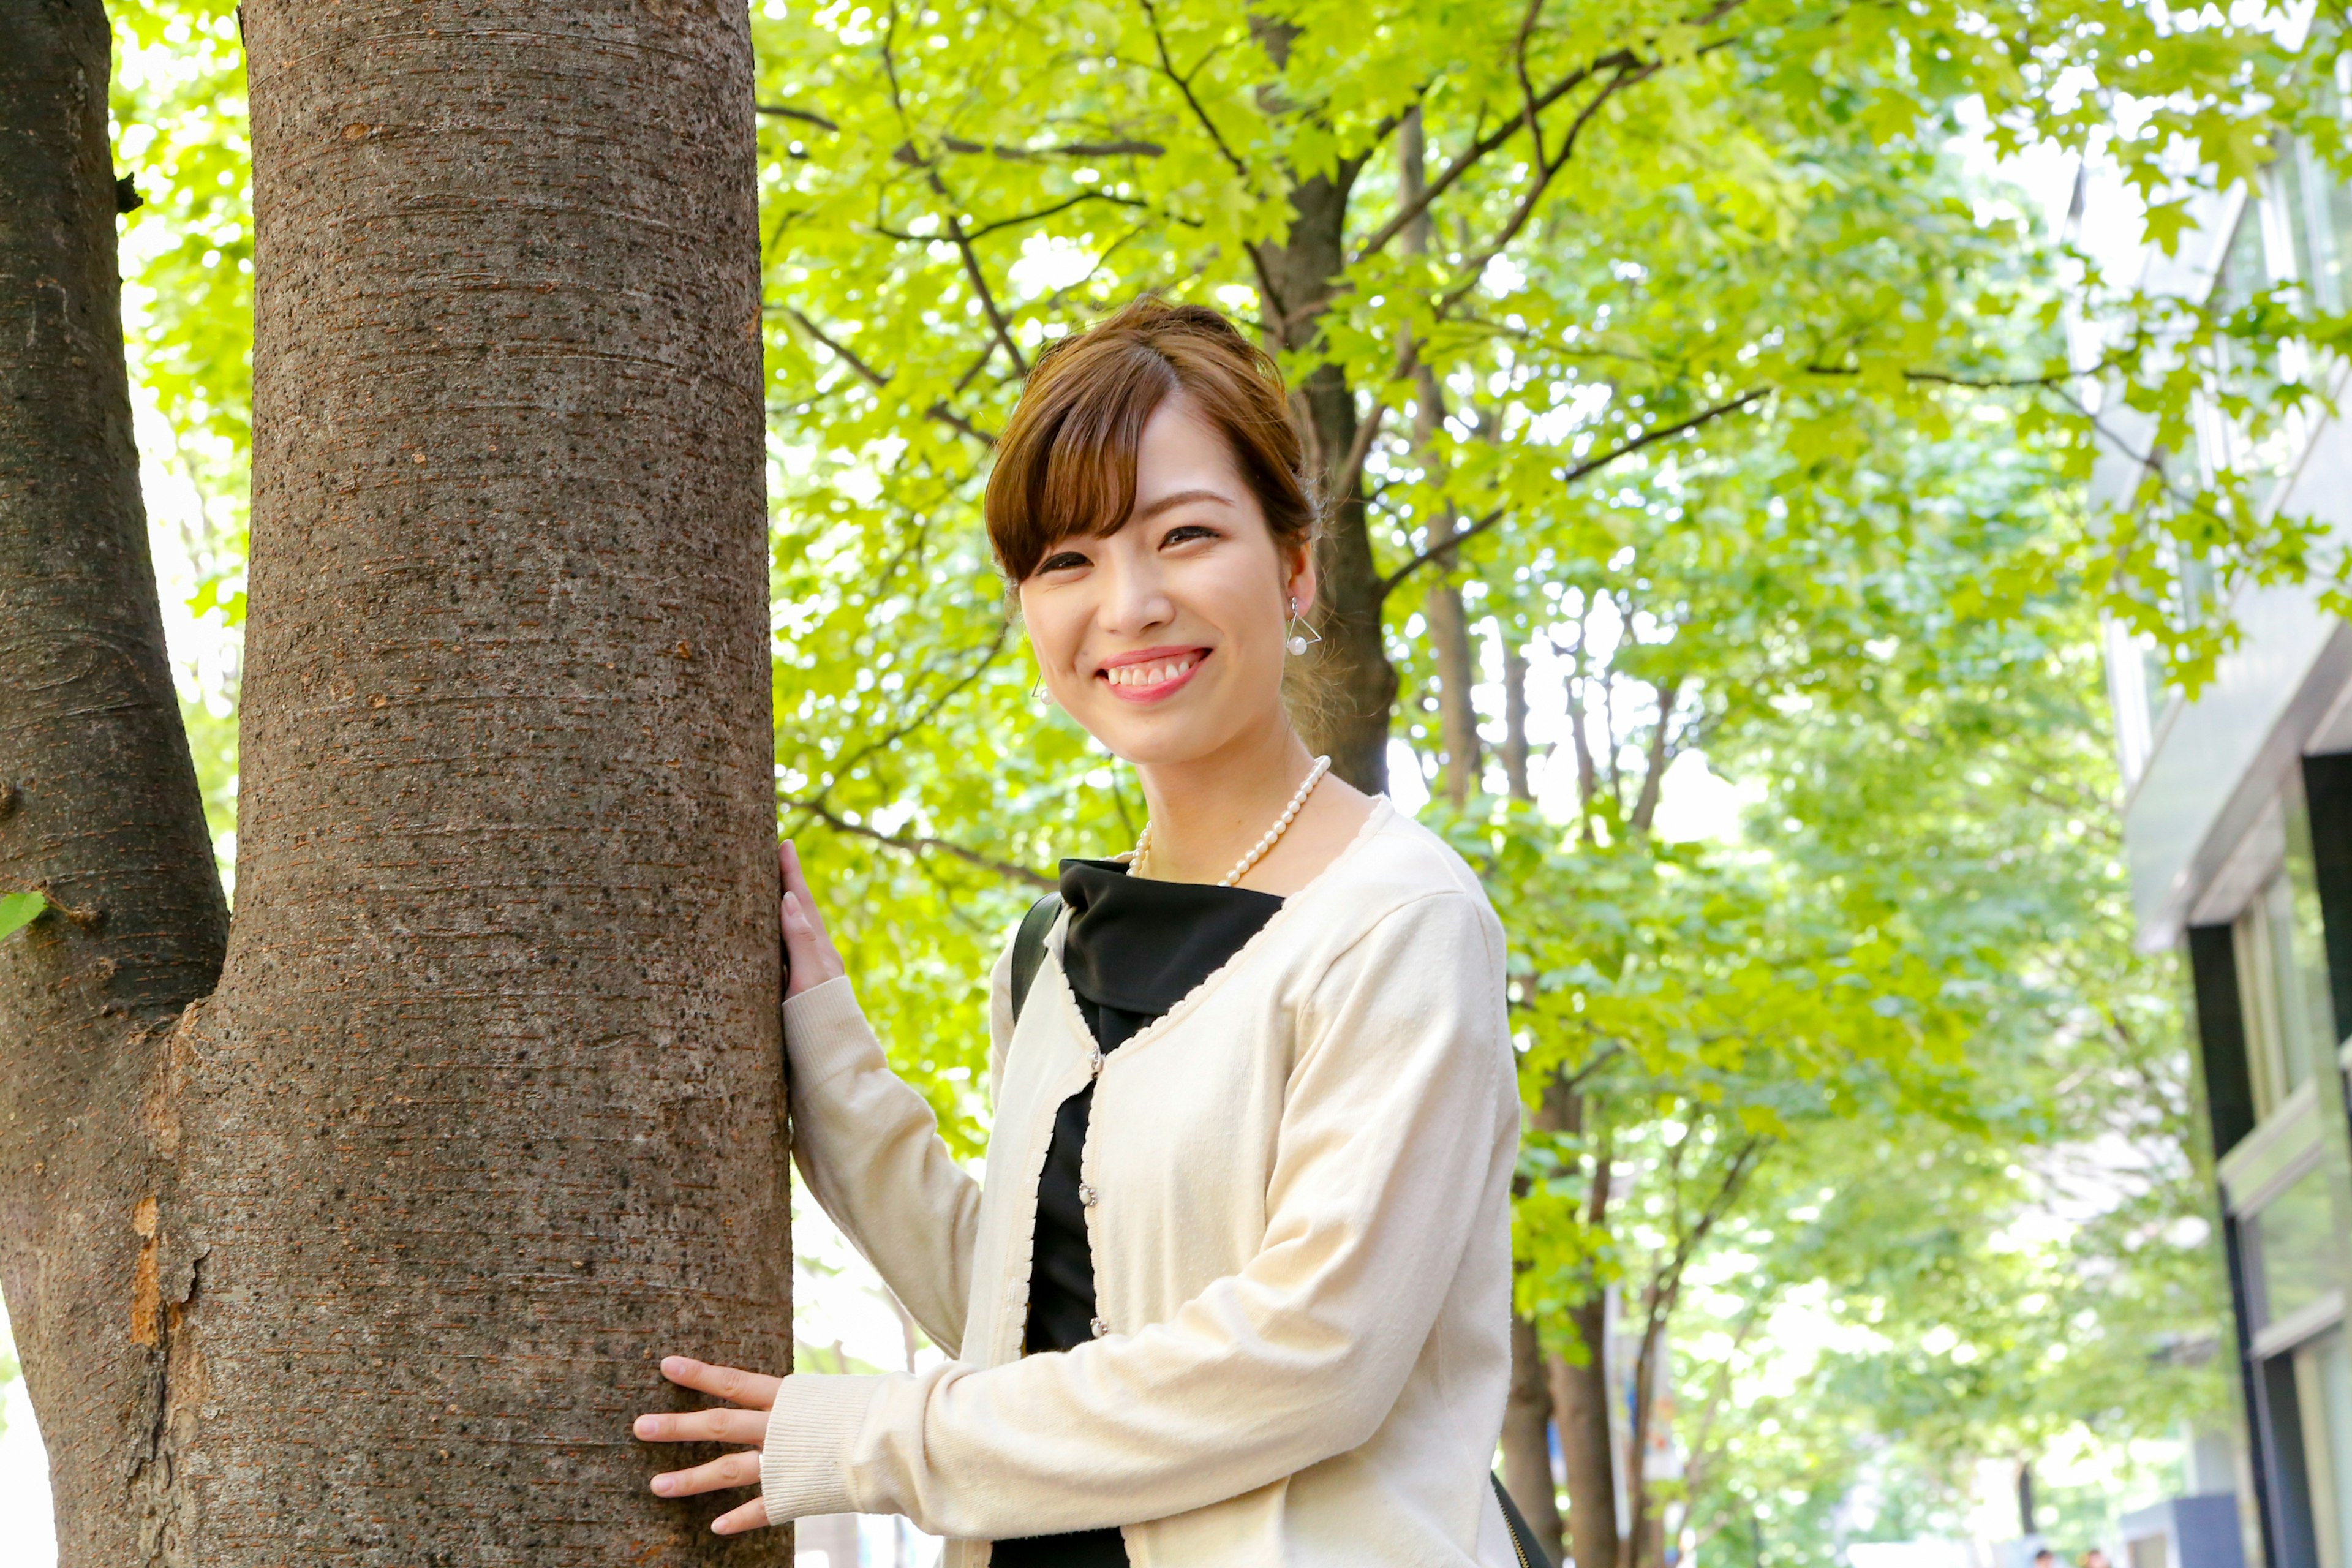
[[1185, 533], [1062, 563]]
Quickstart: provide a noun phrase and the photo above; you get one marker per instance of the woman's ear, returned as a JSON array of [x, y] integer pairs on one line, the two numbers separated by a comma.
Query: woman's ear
[[1299, 583]]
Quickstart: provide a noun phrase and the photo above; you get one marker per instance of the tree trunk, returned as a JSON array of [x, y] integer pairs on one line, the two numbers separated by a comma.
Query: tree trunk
[[1449, 627], [486, 1114], [1655, 757], [1356, 684], [1515, 715], [1457, 716], [99, 806], [1644, 1537], [1581, 1392], [1359, 685], [1581, 1404], [1527, 1413], [1526, 1438]]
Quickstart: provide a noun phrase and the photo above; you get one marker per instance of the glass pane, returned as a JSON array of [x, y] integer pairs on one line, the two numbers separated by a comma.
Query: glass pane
[[2319, 211], [2292, 983], [2258, 998], [2335, 194], [2297, 1251], [2323, 1377], [2338, 198], [2294, 197], [2243, 273], [2307, 938]]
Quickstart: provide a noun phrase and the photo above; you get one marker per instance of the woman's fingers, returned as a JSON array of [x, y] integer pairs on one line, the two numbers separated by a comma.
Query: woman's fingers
[[788, 863], [810, 958], [753, 1515], [729, 1470], [704, 1426], [751, 1390]]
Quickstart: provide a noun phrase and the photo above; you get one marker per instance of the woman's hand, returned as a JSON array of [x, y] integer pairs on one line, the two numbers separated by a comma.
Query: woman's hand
[[809, 955], [752, 1393]]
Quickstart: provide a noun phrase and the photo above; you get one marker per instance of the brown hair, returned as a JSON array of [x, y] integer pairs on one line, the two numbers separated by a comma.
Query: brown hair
[[1065, 464]]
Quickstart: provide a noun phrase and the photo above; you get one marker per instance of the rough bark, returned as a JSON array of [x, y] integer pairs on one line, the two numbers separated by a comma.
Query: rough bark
[[487, 1112], [99, 806]]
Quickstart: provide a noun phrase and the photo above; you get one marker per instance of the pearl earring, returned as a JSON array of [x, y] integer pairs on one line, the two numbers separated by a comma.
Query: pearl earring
[[1302, 635]]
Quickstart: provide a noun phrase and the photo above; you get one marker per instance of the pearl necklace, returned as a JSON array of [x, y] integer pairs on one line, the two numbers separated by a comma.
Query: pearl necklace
[[1258, 851]]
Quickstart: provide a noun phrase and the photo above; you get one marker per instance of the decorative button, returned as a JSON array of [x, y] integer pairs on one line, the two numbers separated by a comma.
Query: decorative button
[[1086, 1195], [1094, 1065], [1098, 1326]]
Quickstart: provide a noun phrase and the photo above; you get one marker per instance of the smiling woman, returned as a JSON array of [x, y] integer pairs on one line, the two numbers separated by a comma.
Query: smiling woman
[[1238, 1288]]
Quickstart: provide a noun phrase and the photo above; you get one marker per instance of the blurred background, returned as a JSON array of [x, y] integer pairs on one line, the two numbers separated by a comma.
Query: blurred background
[[1845, 508]]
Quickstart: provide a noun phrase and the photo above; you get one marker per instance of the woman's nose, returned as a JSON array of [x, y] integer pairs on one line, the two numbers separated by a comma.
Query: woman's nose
[[1135, 599]]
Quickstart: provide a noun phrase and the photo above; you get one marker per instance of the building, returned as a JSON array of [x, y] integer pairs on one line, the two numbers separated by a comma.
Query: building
[[2238, 825]]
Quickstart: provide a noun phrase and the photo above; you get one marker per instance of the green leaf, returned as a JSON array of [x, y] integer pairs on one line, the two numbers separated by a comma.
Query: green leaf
[[18, 911]]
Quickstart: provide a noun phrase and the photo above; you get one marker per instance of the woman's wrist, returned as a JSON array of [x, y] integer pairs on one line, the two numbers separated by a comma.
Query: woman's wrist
[[813, 1429]]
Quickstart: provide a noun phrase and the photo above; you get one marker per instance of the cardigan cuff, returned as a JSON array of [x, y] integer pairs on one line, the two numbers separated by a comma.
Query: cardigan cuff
[[825, 1033], [804, 1459]]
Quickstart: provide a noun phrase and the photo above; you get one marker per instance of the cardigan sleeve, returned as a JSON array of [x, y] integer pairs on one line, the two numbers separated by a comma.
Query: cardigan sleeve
[[868, 1146], [1396, 1132]]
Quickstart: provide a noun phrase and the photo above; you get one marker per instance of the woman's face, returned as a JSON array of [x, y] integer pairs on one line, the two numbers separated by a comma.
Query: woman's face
[[1165, 639]]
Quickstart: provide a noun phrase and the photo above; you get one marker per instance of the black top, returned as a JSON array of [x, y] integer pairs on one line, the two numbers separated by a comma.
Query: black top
[[1133, 949]]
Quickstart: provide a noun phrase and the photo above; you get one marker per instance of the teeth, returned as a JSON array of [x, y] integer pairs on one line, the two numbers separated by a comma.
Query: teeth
[[1149, 673]]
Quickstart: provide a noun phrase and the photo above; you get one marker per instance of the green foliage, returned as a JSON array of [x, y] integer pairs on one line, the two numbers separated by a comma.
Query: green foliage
[[18, 911], [180, 132]]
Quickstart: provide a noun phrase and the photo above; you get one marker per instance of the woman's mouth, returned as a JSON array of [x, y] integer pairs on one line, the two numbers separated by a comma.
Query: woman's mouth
[[1154, 676]]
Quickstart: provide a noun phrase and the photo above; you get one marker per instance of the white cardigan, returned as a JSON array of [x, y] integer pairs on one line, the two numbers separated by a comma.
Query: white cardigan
[[1298, 1189]]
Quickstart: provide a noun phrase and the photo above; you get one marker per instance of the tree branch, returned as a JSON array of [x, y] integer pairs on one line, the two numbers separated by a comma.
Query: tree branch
[[1485, 145], [1592, 465], [931, 709], [984, 230], [1068, 150], [806, 117], [1645, 804], [1184, 86], [918, 844], [1546, 168], [939, 411]]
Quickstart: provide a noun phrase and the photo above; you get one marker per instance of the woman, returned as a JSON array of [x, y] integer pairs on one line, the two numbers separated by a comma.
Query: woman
[[1236, 1291]]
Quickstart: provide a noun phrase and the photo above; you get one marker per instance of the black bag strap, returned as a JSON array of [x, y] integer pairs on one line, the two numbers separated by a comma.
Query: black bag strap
[[1530, 1555], [1029, 946]]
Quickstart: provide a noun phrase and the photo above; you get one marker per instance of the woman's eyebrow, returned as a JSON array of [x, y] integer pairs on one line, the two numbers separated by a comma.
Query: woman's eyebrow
[[1177, 499]]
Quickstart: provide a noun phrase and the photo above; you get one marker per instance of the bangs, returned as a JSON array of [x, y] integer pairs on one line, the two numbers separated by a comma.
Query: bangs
[[1065, 464], [1073, 472]]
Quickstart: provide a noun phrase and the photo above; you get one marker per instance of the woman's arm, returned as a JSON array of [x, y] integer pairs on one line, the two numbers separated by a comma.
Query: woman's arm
[[1395, 1143], [867, 1144]]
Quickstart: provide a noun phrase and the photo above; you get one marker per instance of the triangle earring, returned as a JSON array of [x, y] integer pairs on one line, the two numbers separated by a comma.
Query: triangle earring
[[1302, 635]]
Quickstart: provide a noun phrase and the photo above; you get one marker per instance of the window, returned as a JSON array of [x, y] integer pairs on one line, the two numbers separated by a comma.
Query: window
[[2283, 971], [2319, 225], [2323, 1387], [2224, 444], [2244, 272], [2295, 1250]]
